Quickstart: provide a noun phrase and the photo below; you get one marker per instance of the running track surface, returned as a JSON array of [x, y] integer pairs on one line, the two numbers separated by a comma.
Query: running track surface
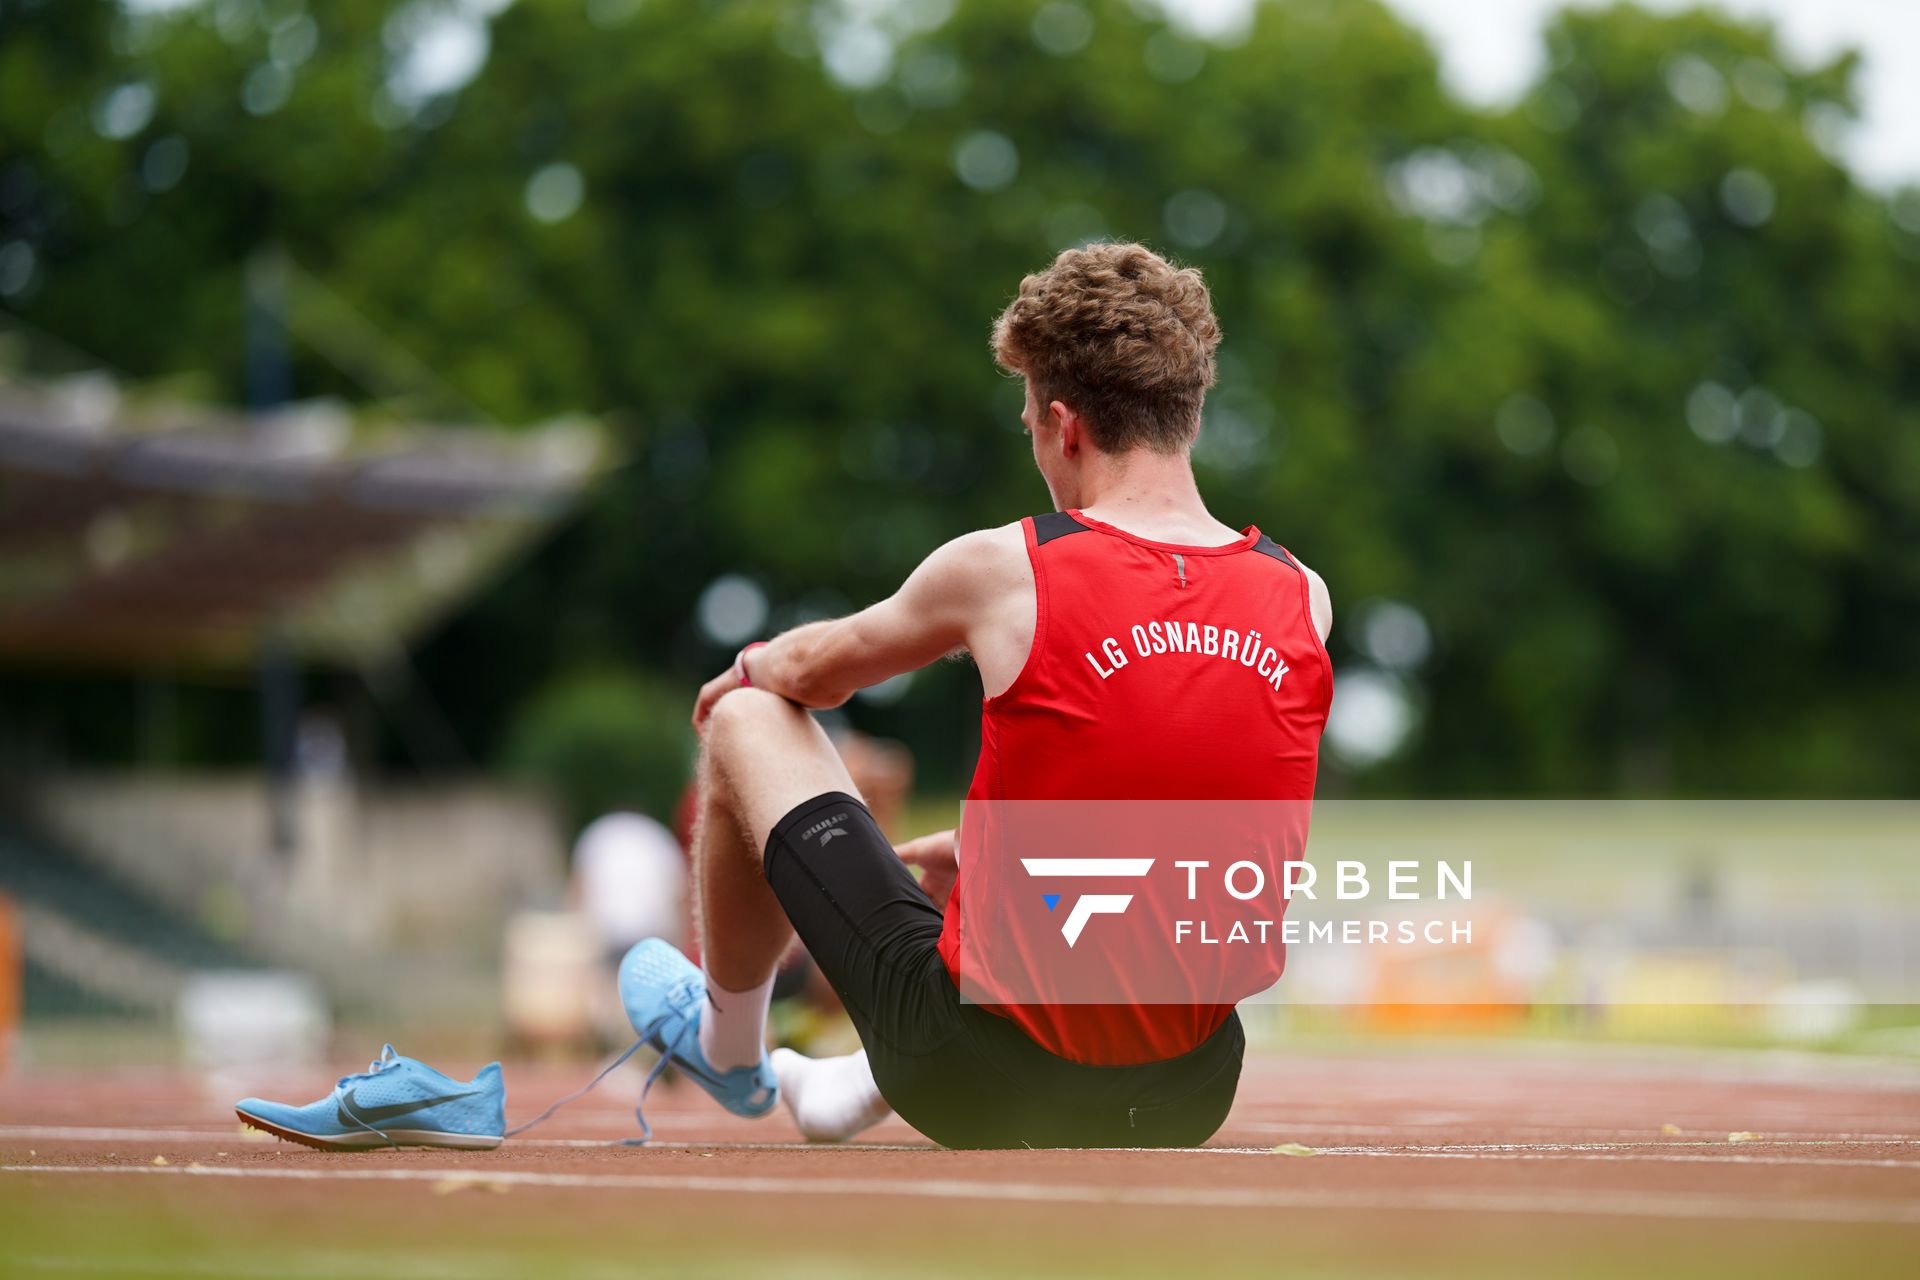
[[1444, 1161]]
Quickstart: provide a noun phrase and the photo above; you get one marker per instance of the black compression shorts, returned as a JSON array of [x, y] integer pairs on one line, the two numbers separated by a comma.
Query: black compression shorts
[[958, 1073]]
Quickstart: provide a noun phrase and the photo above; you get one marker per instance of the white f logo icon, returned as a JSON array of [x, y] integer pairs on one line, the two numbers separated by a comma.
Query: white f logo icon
[[1091, 904]]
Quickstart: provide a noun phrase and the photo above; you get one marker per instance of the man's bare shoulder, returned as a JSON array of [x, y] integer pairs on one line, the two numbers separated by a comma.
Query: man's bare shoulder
[[984, 561], [1001, 540]]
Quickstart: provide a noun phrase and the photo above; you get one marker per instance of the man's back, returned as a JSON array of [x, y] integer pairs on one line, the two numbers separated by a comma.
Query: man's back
[[1155, 670]]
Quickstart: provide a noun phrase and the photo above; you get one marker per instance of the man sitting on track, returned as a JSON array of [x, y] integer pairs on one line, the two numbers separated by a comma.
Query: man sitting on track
[[1117, 350]]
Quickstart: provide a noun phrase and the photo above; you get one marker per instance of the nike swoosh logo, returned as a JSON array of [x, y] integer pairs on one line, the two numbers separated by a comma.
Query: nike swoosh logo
[[684, 1067], [691, 1070], [688, 1068], [350, 1109]]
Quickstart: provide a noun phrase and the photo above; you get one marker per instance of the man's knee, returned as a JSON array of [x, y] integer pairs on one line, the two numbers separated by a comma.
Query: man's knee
[[745, 718]]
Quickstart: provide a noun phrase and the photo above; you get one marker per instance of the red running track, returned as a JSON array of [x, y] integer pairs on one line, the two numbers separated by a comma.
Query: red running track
[[1430, 1160]]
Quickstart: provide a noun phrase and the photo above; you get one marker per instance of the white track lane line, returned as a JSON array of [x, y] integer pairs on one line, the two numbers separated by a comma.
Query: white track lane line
[[1560, 1131], [1580, 1148], [243, 1138], [1696, 1153], [1704, 1138], [1762, 1152], [1800, 1162], [1683, 1205]]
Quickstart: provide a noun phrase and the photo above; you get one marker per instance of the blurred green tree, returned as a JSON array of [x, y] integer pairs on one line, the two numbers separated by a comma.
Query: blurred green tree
[[604, 740], [1599, 413]]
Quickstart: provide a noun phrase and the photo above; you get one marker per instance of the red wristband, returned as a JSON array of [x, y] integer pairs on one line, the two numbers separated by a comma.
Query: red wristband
[[740, 663]]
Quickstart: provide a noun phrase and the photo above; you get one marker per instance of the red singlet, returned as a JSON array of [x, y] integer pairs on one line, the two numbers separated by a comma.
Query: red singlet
[[1186, 724]]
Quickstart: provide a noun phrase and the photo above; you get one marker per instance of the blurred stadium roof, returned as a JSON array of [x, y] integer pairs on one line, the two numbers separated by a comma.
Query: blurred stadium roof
[[163, 536]]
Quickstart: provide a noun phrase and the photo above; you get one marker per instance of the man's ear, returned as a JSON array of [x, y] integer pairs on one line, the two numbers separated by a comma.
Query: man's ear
[[1072, 430]]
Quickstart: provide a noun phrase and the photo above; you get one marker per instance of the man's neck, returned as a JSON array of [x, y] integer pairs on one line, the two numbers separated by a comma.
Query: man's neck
[[1153, 495]]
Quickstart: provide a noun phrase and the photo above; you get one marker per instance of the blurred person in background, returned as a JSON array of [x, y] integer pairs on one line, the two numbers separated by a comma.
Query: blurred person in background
[[628, 882]]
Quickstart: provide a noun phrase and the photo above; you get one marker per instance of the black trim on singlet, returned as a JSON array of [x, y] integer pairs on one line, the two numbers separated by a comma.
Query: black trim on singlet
[[1268, 547], [1055, 524]]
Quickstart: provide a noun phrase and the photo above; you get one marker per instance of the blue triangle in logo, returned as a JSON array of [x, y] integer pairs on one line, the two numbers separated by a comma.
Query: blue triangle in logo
[[1051, 899]]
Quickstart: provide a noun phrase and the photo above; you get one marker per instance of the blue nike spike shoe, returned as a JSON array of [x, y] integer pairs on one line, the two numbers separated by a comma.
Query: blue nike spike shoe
[[664, 993], [396, 1102]]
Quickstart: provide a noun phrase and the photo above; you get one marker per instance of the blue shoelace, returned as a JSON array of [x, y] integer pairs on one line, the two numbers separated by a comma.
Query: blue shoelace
[[385, 1062], [681, 1004]]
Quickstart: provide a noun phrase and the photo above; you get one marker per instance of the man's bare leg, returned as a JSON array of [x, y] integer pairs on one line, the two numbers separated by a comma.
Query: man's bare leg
[[762, 756]]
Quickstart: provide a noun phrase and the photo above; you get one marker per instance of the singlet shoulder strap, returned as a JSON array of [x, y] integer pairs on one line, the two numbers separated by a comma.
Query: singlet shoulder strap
[[1268, 547], [1055, 524]]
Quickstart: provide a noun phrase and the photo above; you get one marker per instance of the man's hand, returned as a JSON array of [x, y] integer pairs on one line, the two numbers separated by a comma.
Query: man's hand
[[938, 858], [738, 676], [711, 692]]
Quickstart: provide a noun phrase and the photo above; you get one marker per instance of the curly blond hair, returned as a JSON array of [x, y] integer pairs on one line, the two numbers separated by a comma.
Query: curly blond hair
[[1120, 334]]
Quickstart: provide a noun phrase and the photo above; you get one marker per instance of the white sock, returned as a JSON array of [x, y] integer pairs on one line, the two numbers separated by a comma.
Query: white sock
[[733, 1026], [831, 1099]]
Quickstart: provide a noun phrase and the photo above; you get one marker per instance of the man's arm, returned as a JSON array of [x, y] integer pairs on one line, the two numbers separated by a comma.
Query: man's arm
[[821, 664]]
